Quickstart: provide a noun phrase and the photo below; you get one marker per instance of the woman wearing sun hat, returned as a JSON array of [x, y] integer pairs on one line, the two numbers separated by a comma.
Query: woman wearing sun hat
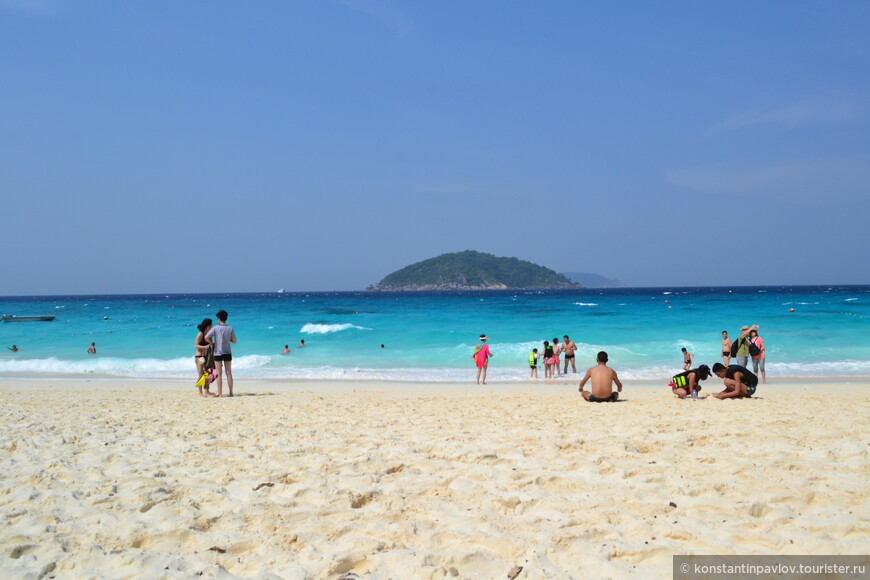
[[481, 358]]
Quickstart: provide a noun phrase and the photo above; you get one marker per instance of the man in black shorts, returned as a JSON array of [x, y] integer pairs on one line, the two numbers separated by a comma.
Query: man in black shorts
[[568, 349], [603, 377], [223, 336], [739, 381]]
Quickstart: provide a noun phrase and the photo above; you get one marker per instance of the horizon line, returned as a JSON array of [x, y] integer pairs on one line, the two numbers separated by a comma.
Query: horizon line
[[412, 292]]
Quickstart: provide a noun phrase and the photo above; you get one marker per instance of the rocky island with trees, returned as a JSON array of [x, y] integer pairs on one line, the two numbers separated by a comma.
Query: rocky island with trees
[[471, 270]]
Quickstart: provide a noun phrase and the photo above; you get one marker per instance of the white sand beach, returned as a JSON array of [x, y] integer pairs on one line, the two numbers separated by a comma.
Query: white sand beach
[[132, 479]]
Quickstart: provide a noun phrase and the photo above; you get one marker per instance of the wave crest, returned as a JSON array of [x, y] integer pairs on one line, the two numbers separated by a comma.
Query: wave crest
[[312, 328], [120, 367]]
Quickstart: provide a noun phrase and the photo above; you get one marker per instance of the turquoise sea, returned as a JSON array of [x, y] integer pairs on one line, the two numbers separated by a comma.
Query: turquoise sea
[[430, 336]]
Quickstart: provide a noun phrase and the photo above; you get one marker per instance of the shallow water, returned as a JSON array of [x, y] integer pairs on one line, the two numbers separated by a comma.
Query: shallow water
[[430, 336]]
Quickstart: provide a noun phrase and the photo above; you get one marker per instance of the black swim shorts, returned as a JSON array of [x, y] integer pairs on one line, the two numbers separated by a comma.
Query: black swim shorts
[[224, 357], [611, 398]]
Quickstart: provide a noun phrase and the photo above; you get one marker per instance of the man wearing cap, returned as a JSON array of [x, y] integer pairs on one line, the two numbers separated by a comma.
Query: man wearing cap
[[481, 358], [743, 344]]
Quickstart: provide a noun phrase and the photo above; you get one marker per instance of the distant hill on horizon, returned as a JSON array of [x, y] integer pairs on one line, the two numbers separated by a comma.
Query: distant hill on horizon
[[593, 280], [472, 270]]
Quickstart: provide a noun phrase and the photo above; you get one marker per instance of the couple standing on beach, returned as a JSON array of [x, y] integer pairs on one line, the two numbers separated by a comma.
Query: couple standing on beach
[[214, 355], [749, 344]]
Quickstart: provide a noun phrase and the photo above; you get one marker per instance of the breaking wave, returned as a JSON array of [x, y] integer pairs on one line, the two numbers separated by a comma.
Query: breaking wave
[[312, 328]]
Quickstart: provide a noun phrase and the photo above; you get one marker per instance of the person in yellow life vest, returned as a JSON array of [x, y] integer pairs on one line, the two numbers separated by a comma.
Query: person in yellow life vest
[[533, 363], [687, 383]]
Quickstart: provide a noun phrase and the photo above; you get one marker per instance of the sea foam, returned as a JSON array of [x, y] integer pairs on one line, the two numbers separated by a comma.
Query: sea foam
[[266, 367], [313, 328]]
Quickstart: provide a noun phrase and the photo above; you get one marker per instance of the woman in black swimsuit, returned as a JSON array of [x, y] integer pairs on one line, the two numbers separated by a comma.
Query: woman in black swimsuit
[[201, 345], [548, 360]]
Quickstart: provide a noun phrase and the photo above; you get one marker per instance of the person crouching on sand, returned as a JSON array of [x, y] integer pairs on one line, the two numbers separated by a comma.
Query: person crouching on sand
[[687, 382], [603, 378], [533, 363], [739, 381]]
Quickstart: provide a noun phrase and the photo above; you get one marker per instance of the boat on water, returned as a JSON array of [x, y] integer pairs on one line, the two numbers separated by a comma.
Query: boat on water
[[41, 318]]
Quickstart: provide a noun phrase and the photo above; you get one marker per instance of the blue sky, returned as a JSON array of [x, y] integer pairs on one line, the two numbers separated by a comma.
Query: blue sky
[[316, 145]]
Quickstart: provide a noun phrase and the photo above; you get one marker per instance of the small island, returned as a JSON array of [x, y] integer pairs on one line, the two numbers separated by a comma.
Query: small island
[[471, 270]]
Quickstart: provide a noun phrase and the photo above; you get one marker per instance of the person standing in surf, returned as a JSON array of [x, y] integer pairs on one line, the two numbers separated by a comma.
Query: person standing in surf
[[481, 358], [687, 359], [557, 350], [568, 349]]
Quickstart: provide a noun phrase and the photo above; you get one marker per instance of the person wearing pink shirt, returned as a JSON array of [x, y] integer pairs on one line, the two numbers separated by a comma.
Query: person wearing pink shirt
[[758, 359], [481, 358]]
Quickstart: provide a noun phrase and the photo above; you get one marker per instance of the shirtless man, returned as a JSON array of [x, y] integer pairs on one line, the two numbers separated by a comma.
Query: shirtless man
[[568, 347], [603, 378], [726, 348]]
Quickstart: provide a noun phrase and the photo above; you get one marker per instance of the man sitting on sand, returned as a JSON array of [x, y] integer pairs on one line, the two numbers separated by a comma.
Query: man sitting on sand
[[603, 378], [739, 381]]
